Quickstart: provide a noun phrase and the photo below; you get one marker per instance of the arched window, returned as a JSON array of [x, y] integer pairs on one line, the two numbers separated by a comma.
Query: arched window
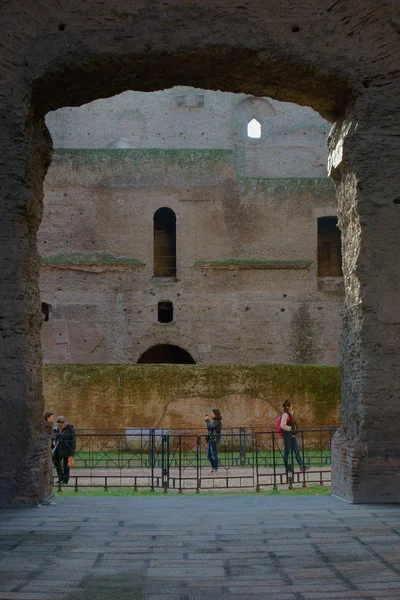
[[165, 312], [166, 354], [254, 129], [329, 248], [164, 243]]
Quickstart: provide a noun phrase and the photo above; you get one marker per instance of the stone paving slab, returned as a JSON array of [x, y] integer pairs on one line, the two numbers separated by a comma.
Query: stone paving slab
[[189, 548]]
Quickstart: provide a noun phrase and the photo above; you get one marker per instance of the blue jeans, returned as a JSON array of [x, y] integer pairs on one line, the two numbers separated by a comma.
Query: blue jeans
[[290, 444], [212, 455]]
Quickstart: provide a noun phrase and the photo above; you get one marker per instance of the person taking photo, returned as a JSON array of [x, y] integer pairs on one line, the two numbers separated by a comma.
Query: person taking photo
[[213, 437]]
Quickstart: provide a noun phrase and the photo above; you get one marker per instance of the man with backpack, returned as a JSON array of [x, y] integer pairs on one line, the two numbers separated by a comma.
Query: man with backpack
[[287, 428]]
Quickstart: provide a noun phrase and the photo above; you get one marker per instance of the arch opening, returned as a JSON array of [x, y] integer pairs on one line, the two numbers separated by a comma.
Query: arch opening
[[166, 354]]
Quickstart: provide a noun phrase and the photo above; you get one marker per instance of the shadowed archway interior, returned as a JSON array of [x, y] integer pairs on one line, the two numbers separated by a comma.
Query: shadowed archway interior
[[164, 243], [166, 354]]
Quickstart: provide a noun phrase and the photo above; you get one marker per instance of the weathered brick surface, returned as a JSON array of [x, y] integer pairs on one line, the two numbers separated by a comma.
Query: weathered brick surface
[[103, 201], [337, 57], [176, 396]]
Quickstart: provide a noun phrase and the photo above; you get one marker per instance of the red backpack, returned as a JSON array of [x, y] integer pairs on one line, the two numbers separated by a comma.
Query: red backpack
[[278, 427]]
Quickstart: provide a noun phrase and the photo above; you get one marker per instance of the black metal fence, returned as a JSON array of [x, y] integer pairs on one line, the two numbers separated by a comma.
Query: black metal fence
[[162, 459]]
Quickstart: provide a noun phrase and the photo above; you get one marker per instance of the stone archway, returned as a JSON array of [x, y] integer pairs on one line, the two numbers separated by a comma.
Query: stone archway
[[341, 58]]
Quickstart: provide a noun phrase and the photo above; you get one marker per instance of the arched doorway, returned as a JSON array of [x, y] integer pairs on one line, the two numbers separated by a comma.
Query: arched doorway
[[166, 354]]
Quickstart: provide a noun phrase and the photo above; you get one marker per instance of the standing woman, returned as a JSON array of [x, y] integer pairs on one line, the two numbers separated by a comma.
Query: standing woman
[[214, 427], [290, 443]]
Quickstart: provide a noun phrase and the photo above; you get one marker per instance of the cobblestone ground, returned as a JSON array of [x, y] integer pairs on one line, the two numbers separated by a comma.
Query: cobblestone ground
[[192, 548]]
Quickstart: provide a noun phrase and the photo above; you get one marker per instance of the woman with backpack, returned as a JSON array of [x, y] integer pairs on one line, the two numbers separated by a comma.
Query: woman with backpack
[[213, 437], [289, 429]]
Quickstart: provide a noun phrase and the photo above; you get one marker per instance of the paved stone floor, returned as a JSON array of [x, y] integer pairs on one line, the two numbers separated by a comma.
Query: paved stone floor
[[192, 548]]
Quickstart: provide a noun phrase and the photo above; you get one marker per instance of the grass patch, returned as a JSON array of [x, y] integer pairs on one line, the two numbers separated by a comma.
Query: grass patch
[[316, 490]]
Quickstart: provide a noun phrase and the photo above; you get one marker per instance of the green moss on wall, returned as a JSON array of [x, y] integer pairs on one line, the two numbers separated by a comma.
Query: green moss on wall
[[90, 258], [156, 395], [254, 262], [100, 158]]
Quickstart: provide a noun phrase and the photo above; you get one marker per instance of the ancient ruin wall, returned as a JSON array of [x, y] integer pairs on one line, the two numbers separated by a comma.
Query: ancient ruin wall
[[174, 396], [337, 57], [247, 286]]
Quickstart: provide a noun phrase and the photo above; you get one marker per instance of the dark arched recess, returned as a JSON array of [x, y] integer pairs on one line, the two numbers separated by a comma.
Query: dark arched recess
[[166, 354]]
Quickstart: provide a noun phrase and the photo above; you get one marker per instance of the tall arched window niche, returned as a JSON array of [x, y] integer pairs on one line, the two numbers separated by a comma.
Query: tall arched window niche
[[329, 248], [254, 129], [164, 243]]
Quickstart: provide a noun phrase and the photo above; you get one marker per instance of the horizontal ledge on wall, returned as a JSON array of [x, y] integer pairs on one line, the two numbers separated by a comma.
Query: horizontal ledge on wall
[[253, 264], [90, 261], [96, 158]]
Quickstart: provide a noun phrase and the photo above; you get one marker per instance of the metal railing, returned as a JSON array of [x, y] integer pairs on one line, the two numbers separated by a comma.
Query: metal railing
[[162, 459]]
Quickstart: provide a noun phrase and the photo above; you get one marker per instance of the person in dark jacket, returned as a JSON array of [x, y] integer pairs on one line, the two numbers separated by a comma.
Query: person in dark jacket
[[214, 427], [64, 449]]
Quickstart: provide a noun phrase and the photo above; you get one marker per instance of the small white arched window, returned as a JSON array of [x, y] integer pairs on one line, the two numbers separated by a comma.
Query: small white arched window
[[254, 129]]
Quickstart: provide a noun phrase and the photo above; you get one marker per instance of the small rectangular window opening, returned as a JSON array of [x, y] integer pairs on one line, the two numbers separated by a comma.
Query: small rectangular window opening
[[165, 312], [46, 310]]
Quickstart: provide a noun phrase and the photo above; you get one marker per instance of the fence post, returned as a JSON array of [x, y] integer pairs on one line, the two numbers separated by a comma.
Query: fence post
[[242, 446], [152, 456], [198, 463], [320, 448], [330, 444], [255, 441], [291, 467], [302, 459], [165, 461], [180, 464], [275, 486]]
